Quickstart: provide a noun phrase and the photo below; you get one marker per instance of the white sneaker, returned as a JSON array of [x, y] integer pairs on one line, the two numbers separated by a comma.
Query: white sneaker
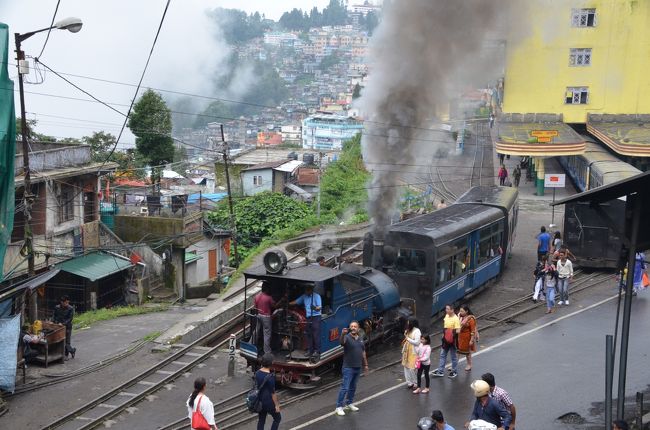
[[352, 408], [340, 412], [560, 303], [566, 303]]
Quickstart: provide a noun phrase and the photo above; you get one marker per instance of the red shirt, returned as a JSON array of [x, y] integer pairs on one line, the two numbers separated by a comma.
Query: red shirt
[[264, 304]]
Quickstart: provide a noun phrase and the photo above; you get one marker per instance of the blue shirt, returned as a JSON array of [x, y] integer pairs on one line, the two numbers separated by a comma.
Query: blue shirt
[[544, 241], [308, 300], [493, 413], [266, 392]]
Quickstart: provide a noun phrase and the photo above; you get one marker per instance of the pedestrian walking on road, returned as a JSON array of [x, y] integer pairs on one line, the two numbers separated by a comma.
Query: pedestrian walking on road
[[543, 243], [267, 397], [487, 408], [538, 274], [501, 396], [517, 175], [411, 340], [199, 408], [491, 120], [451, 328], [354, 355], [423, 363], [564, 276], [503, 175], [468, 336], [63, 314], [550, 281], [501, 157]]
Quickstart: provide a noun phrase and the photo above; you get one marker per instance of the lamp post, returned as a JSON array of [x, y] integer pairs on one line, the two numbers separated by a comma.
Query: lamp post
[[73, 25]]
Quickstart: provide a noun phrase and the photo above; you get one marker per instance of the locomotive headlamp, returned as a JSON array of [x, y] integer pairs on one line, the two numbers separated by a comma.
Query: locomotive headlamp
[[275, 262]]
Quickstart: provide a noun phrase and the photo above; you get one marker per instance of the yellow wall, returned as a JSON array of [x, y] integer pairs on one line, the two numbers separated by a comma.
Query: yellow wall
[[538, 71]]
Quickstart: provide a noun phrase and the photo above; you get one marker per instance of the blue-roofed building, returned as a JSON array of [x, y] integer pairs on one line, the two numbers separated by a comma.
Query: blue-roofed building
[[328, 131]]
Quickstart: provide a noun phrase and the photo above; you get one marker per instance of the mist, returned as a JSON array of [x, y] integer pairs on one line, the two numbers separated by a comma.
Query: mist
[[422, 51]]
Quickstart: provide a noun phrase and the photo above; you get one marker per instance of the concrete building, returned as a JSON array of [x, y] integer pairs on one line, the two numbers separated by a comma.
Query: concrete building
[[271, 176], [328, 131]]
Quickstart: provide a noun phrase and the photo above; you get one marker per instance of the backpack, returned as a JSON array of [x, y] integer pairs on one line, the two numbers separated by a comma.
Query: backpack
[[253, 402], [448, 337]]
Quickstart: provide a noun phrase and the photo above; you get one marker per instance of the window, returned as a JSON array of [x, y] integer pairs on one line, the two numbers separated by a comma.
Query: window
[[257, 181], [490, 242], [453, 260], [65, 202], [580, 57], [583, 17], [577, 95], [411, 261]]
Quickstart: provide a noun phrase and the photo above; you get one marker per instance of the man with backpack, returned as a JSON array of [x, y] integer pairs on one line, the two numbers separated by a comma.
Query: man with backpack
[[451, 326], [263, 398]]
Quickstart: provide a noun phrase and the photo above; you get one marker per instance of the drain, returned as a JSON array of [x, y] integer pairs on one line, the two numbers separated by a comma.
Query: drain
[[572, 418]]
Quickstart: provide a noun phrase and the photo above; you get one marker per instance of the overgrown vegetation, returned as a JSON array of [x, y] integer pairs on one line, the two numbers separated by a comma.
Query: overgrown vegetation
[[89, 318]]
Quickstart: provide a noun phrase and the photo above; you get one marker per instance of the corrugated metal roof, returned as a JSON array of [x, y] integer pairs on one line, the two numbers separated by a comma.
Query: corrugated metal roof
[[94, 266], [191, 257], [289, 166]]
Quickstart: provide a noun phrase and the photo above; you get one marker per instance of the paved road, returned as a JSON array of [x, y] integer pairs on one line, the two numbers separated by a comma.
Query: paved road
[[551, 369]]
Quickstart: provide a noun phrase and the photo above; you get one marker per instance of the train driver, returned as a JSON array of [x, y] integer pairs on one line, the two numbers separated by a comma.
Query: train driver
[[313, 304]]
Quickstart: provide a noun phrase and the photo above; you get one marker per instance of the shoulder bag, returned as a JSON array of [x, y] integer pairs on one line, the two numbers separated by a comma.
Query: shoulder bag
[[198, 420]]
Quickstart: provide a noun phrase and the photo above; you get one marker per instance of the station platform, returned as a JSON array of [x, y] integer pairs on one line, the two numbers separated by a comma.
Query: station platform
[[553, 369]]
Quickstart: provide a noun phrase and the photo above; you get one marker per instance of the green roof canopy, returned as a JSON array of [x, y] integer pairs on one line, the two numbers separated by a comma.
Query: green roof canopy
[[191, 257], [94, 266]]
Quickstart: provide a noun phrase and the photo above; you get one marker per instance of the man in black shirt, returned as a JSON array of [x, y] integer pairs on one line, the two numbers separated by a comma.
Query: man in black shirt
[[63, 314], [354, 354]]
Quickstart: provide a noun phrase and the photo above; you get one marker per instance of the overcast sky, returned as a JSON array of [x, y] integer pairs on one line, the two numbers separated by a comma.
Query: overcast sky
[[113, 45]]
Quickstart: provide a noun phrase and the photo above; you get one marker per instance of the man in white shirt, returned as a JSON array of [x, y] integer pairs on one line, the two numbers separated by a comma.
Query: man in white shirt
[[565, 274]]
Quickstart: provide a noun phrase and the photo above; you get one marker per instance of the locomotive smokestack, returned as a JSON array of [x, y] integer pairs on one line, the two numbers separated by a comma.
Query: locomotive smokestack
[[378, 253]]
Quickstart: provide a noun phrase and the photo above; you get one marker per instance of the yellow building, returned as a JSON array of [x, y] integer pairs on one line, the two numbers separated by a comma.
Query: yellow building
[[577, 62], [581, 57]]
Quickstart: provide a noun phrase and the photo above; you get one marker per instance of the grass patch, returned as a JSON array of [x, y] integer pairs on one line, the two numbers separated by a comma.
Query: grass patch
[[152, 336], [86, 319]]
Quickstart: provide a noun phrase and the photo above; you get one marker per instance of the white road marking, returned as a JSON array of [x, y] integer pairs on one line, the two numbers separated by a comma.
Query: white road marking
[[400, 385]]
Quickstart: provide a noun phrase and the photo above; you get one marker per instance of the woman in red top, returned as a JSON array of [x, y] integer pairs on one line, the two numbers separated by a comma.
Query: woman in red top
[[468, 336]]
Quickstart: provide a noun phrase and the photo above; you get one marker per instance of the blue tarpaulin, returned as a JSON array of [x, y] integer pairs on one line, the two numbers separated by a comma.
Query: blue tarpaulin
[[9, 332], [213, 197]]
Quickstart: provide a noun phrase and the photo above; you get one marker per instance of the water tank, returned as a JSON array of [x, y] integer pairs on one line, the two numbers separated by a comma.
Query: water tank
[[308, 158], [292, 156]]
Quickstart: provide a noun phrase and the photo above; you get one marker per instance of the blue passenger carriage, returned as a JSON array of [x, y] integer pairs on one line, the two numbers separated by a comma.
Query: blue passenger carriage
[[443, 256]]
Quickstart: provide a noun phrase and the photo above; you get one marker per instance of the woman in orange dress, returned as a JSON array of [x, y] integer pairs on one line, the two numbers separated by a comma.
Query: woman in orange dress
[[468, 336]]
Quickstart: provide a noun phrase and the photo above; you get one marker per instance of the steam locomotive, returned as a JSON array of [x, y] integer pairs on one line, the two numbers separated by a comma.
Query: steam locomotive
[[418, 266]]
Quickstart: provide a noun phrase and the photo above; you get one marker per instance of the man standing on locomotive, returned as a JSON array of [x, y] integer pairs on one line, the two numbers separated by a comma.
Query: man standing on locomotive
[[313, 305], [264, 304]]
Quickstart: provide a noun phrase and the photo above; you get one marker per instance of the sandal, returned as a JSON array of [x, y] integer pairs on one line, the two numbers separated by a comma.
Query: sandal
[[426, 390], [416, 391], [468, 368]]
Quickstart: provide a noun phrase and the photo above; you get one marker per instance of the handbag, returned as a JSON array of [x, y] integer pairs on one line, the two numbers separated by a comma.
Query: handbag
[[253, 402], [198, 420], [418, 363]]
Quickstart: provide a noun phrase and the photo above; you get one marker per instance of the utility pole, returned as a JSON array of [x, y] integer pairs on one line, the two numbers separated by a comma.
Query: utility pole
[[28, 197], [233, 225], [320, 174]]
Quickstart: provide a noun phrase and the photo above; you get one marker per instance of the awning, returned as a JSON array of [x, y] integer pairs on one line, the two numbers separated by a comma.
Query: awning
[[191, 257], [289, 166], [94, 266], [630, 138], [536, 139], [33, 282], [296, 189], [638, 183]]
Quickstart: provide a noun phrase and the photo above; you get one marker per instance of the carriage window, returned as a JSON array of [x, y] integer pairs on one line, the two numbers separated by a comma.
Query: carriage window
[[411, 261], [443, 270], [490, 242]]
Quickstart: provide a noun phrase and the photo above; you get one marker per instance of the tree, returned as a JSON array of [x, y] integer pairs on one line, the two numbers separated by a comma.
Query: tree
[[371, 22], [100, 144], [31, 134], [151, 123], [259, 217], [329, 61]]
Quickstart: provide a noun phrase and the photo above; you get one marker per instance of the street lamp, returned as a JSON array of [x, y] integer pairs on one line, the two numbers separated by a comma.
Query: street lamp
[[73, 25]]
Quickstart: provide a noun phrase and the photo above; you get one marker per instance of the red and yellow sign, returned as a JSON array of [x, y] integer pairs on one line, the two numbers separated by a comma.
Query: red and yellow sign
[[544, 136]]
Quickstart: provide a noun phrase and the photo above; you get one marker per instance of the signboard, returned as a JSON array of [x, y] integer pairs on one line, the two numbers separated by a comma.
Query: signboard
[[554, 180], [544, 136]]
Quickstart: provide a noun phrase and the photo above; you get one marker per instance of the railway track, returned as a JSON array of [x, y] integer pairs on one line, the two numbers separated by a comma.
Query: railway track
[[97, 411], [238, 415], [476, 178]]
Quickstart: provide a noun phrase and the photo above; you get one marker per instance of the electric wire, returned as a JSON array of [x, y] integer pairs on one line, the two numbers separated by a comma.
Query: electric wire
[[56, 9]]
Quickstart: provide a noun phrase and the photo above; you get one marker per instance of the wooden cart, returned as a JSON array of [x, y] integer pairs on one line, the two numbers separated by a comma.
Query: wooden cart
[[52, 346]]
